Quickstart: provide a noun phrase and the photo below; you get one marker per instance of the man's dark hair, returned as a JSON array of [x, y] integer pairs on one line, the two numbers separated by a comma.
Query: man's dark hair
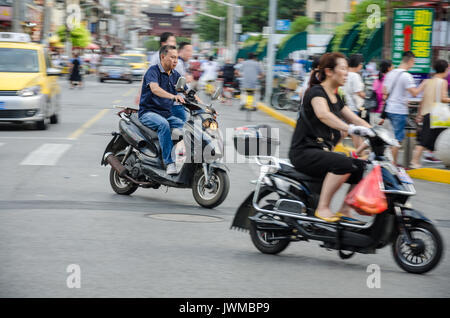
[[355, 60], [182, 45], [211, 58], [165, 49], [251, 56], [440, 66], [164, 37], [407, 56]]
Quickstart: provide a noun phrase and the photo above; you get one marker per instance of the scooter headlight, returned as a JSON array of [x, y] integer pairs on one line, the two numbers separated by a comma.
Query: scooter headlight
[[210, 123]]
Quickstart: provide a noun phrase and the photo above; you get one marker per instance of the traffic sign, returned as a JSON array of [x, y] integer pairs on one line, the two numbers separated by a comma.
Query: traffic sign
[[412, 31], [283, 25], [73, 16]]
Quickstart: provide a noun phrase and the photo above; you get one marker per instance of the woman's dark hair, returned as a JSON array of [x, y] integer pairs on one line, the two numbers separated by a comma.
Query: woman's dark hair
[[164, 37], [384, 68], [440, 66], [315, 62], [328, 60]]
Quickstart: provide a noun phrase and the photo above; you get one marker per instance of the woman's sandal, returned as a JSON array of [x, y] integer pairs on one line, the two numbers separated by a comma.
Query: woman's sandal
[[349, 219], [331, 220]]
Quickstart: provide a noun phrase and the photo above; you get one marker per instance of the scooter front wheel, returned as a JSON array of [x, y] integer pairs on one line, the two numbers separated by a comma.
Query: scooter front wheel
[[213, 194], [424, 252]]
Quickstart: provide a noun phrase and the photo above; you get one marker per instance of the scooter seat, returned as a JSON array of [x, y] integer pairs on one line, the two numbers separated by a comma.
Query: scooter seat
[[149, 133], [177, 134], [291, 172]]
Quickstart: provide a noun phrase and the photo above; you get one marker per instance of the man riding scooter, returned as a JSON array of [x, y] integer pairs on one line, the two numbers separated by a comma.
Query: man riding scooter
[[157, 99]]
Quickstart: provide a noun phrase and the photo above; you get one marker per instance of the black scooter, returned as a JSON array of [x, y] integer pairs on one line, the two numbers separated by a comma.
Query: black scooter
[[134, 154], [281, 210]]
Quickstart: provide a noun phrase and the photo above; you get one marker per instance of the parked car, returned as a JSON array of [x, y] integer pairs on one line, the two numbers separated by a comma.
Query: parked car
[[138, 63], [115, 68], [29, 89]]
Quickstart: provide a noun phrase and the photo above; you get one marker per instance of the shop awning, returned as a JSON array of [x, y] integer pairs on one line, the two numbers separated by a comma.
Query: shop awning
[[350, 40], [373, 48], [243, 52], [297, 42]]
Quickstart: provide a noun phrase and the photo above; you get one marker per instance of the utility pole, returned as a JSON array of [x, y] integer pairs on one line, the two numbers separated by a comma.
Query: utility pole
[[230, 29], [16, 23], [388, 31], [46, 20], [271, 50]]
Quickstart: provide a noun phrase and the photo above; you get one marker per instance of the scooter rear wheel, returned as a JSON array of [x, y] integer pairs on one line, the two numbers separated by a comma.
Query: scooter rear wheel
[[120, 185], [261, 239]]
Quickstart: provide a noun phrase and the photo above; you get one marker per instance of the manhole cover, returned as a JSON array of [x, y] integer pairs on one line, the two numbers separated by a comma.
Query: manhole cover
[[196, 218]]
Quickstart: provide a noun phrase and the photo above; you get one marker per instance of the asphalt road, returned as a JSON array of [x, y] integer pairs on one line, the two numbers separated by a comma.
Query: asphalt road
[[57, 209]]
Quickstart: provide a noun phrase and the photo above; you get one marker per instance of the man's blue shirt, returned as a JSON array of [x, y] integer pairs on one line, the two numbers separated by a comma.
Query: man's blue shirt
[[152, 102]]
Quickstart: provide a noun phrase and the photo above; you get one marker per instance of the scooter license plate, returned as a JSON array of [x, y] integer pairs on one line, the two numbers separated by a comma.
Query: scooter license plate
[[404, 177]]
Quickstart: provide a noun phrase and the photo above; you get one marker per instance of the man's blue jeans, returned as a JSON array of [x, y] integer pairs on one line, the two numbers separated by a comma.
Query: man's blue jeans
[[180, 112], [163, 126]]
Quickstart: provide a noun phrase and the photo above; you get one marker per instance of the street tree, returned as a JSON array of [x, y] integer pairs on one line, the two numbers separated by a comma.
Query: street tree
[[256, 12], [208, 28]]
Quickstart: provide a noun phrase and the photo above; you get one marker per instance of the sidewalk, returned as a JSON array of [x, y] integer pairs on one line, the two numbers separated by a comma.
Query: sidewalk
[[429, 171]]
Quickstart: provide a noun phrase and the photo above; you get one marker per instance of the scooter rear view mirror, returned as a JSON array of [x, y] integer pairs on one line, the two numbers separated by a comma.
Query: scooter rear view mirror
[[216, 93], [180, 84]]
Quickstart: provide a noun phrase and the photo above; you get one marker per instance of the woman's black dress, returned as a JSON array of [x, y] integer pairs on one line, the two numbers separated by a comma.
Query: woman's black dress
[[313, 141], [75, 75]]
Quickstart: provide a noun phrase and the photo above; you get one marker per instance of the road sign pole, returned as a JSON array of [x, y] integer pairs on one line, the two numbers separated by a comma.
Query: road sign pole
[[270, 50]]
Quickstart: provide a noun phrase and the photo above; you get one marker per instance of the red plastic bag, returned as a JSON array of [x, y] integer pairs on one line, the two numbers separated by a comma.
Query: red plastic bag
[[367, 196]]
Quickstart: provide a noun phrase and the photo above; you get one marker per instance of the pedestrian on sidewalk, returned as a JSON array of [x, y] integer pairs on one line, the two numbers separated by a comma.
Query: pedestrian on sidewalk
[[397, 88], [251, 73], [435, 90], [75, 72], [385, 67], [354, 91]]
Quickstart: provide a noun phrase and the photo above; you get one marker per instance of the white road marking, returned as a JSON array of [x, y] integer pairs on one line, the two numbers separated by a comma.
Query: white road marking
[[46, 155], [34, 138]]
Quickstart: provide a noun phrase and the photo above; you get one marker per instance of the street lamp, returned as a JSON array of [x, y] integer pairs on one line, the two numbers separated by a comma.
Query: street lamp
[[221, 27]]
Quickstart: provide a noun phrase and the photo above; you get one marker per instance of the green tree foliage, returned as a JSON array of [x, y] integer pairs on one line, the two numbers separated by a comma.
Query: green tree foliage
[[256, 12], [80, 36], [208, 28], [300, 24], [255, 16]]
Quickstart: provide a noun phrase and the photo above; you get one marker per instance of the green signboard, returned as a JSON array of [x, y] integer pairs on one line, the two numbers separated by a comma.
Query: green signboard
[[412, 31]]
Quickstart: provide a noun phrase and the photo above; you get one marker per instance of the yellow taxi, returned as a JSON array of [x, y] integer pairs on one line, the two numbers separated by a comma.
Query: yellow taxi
[[29, 89], [138, 63]]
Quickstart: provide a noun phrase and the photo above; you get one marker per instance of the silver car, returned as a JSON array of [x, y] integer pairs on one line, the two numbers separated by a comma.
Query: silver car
[[115, 68]]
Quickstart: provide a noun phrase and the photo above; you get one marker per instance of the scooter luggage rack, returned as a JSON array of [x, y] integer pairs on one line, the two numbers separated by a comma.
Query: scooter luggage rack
[[289, 214]]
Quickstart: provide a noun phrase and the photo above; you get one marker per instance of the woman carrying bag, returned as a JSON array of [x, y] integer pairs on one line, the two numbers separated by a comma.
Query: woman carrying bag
[[435, 91]]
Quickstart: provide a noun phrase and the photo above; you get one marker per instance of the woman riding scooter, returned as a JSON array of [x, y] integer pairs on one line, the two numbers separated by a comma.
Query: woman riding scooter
[[323, 116]]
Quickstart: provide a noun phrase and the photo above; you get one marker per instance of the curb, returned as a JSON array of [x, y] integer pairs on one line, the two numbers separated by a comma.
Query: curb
[[428, 174], [273, 113]]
